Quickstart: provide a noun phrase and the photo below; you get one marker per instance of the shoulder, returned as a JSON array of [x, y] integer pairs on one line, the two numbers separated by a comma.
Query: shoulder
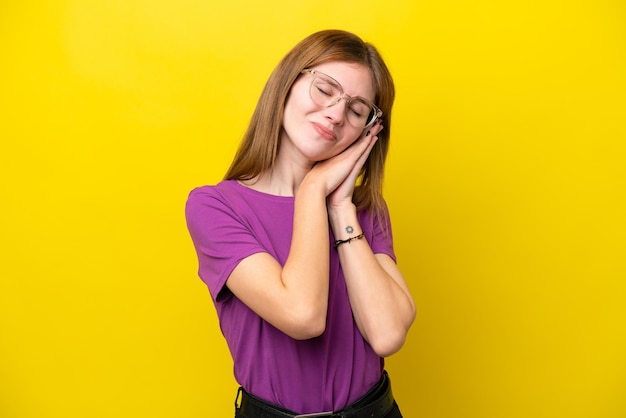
[[230, 198], [378, 217], [204, 200], [377, 228], [216, 190], [213, 212], [222, 192]]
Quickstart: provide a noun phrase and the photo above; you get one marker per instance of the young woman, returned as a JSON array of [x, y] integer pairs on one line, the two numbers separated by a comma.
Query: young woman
[[295, 243]]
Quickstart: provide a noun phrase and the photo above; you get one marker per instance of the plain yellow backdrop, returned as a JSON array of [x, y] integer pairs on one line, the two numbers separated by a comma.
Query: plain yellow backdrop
[[506, 182]]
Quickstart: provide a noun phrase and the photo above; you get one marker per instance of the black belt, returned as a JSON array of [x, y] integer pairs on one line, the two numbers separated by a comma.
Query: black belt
[[375, 404]]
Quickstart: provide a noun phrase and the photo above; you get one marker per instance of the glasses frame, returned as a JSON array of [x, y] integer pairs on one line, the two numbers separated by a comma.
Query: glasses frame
[[343, 96]]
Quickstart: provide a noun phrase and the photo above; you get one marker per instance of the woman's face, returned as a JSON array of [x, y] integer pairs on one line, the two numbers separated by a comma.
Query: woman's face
[[314, 133]]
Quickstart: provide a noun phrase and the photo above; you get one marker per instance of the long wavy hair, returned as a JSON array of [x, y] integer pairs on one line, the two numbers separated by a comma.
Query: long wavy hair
[[259, 146]]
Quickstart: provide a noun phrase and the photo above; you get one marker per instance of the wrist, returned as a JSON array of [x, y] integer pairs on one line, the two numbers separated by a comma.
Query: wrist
[[341, 211], [313, 186], [348, 240], [343, 221]]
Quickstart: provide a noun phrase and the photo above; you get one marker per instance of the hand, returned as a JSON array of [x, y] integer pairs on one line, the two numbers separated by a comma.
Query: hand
[[342, 194]]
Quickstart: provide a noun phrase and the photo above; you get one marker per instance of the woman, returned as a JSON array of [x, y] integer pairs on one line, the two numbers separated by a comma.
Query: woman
[[295, 244]]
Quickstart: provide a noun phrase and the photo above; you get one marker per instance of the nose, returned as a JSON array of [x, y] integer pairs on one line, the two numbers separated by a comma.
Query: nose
[[336, 112]]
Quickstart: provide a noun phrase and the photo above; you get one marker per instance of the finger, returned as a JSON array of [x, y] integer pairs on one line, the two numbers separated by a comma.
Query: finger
[[373, 130], [364, 156], [360, 162], [356, 149]]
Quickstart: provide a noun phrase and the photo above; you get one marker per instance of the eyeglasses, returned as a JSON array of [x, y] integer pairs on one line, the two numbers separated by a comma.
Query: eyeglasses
[[326, 91]]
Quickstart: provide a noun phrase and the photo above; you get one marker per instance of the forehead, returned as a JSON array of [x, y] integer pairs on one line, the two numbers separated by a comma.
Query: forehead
[[355, 79]]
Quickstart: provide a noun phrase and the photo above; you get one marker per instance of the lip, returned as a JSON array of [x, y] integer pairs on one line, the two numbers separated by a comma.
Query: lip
[[324, 132]]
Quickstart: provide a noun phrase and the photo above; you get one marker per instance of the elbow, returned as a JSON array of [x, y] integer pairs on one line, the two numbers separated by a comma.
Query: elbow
[[391, 339], [307, 324], [384, 345], [307, 332]]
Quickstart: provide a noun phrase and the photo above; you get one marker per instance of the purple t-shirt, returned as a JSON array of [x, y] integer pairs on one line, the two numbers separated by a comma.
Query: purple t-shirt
[[229, 222]]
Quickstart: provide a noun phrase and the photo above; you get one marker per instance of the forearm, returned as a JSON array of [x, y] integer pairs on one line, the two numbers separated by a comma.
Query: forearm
[[381, 303], [305, 273]]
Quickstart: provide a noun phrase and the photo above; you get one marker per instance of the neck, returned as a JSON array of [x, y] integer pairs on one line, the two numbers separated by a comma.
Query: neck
[[279, 181]]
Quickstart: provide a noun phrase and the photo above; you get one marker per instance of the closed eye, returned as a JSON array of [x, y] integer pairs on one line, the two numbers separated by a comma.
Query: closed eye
[[359, 109], [324, 90]]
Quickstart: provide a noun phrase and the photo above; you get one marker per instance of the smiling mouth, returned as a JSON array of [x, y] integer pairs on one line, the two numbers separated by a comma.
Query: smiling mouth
[[323, 132]]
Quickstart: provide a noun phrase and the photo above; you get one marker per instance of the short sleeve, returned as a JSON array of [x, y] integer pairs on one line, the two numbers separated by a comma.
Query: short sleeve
[[381, 241], [220, 236]]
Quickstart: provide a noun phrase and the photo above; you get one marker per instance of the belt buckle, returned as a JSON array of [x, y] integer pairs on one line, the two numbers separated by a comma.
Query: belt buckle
[[317, 414]]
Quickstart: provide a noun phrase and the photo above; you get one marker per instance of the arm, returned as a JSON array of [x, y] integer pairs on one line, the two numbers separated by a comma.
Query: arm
[[379, 296], [294, 298]]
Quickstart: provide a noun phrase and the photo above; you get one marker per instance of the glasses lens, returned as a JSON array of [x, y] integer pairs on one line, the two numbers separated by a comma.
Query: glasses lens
[[359, 113], [325, 92]]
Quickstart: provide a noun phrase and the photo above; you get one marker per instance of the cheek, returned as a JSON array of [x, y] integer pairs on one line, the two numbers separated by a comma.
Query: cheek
[[349, 139], [351, 136], [295, 111], [298, 99]]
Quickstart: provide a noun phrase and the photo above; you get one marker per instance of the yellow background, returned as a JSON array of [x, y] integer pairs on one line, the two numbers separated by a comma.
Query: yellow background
[[506, 182]]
